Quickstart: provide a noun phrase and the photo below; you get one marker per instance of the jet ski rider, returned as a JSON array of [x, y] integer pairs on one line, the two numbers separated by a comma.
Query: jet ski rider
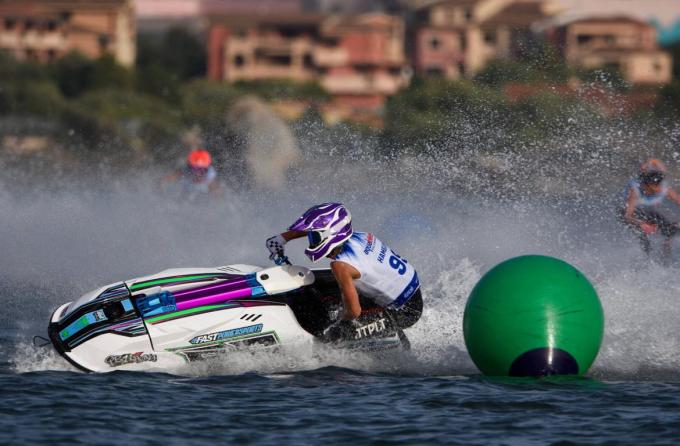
[[197, 177], [644, 196], [360, 263]]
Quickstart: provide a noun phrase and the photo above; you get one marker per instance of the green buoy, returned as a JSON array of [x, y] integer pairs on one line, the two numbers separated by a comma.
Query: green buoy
[[533, 316]]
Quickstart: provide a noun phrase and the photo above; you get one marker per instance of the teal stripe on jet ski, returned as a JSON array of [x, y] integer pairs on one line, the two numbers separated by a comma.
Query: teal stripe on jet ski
[[127, 305], [82, 322], [252, 282]]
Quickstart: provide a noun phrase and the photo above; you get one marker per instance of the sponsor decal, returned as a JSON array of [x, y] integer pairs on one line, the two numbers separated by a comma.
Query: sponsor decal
[[208, 351], [220, 335], [369, 329], [130, 358], [370, 243], [382, 253]]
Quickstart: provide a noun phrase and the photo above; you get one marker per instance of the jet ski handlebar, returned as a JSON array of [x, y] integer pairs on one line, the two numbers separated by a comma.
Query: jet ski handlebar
[[282, 260]]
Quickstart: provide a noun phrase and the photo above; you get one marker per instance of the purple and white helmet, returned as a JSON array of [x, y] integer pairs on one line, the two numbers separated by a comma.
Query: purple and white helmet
[[328, 225]]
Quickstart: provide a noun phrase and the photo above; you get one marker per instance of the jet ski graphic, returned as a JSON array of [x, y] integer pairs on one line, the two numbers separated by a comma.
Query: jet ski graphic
[[190, 314]]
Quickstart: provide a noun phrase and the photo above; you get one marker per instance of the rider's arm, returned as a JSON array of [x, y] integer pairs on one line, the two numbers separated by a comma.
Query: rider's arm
[[345, 274], [292, 235], [630, 208], [673, 195]]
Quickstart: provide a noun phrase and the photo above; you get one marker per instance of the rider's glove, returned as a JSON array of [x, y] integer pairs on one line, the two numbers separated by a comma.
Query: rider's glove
[[648, 228], [275, 245], [342, 330]]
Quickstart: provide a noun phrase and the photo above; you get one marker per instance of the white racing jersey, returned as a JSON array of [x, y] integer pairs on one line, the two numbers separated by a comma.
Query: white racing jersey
[[385, 277], [648, 201], [190, 186]]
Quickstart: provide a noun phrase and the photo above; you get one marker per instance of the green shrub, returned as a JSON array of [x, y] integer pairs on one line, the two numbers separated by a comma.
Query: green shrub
[[22, 97], [283, 89], [205, 103]]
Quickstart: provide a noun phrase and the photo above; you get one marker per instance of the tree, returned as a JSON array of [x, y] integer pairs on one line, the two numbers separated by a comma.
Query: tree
[[178, 52], [72, 73]]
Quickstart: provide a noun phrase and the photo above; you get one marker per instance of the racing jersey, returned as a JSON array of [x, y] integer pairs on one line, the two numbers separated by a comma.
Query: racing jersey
[[647, 201], [190, 186], [386, 278]]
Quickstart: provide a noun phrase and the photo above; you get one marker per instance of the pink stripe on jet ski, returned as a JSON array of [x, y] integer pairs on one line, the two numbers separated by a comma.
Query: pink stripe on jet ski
[[215, 298], [204, 291]]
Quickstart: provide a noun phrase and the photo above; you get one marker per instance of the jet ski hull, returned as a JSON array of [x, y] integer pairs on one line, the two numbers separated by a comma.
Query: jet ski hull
[[164, 321]]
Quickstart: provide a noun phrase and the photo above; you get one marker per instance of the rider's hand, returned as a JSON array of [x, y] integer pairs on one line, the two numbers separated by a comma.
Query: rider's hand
[[342, 330], [648, 228], [275, 245]]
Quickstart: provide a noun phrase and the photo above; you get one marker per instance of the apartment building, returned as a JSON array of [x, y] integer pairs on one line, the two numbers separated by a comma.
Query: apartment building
[[624, 43], [358, 59], [457, 38], [45, 30]]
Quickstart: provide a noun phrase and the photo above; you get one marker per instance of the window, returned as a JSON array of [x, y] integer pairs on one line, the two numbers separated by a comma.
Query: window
[[103, 42], [51, 25], [435, 43], [9, 24], [363, 69], [28, 25], [469, 14], [241, 33], [279, 60], [490, 37], [290, 32], [51, 55], [239, 60], [583, 39], [461, 68], [658, 66], [395, 71], [308, 61], [463, 42]]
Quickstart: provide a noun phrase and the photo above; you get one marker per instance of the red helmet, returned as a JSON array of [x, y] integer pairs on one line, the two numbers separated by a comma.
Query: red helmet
[[652, 165], [199, 158]]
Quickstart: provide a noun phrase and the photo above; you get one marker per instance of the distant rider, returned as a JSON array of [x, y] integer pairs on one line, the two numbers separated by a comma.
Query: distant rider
[[197, 177], [645, 194], [360, 262]]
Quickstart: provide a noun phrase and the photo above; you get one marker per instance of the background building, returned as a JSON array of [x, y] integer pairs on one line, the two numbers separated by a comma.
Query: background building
[[456, 38], [626, 44], [45, 30], [358, 59]]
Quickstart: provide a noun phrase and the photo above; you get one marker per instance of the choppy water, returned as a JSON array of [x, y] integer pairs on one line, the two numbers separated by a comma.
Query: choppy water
[[58, 244], [331, 406], [70, 243]]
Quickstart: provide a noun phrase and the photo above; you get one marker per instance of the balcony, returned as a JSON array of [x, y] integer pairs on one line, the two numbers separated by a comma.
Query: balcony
[[363, 84], [33, 40], [330, 57], [267, 72]]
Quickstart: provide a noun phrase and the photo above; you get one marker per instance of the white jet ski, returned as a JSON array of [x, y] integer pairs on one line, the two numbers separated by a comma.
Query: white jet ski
[[182, 315]]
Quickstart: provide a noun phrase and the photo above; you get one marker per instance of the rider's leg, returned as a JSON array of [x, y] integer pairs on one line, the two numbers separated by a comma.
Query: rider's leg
[[410, 312], [666, 251], [668, 230], [645, 243]]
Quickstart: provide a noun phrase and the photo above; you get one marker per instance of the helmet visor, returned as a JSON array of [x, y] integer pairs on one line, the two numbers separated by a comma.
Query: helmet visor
[[651, 178], [314, 239]]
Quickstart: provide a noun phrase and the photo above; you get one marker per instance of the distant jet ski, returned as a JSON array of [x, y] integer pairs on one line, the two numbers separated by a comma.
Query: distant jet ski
[[177, 316]]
